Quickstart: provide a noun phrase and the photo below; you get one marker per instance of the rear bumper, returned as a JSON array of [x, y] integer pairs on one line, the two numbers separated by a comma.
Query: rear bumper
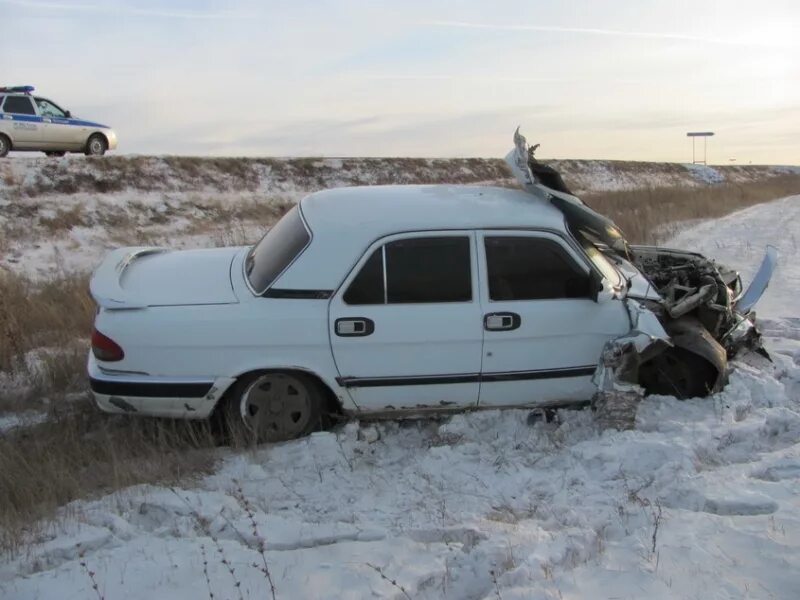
[[138, 394]]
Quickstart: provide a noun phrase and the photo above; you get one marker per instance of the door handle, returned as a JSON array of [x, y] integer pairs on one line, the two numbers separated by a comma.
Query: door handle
[[354, 327], [501, 321]]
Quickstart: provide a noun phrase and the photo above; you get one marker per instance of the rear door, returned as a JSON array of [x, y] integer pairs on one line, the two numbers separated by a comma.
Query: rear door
[[26, 125], [543, 332], [405, 326]]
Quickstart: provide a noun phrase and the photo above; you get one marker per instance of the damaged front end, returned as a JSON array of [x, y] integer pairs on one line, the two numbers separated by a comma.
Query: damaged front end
[[703, 295], [688, 314], [682, 337]]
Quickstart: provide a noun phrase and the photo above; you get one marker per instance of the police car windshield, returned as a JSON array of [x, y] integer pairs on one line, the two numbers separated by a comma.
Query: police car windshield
[[276, 250]]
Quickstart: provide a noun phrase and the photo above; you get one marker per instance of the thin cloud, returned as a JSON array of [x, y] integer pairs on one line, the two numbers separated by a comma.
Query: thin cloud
[[497, 79], [602, 32], [117, 9]]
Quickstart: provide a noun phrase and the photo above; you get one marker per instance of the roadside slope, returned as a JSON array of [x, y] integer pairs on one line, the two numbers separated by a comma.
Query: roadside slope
[[61, 216]]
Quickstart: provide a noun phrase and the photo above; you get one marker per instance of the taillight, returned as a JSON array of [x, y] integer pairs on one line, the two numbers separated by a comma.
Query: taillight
[[105, 349]]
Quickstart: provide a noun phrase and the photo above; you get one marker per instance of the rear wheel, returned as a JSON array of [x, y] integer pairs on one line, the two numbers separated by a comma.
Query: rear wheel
[[678, 372], [276, 406], [5, 145], [96, 146]]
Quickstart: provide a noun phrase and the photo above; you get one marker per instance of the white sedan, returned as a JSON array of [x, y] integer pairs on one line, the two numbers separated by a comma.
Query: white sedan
[[391, 300]]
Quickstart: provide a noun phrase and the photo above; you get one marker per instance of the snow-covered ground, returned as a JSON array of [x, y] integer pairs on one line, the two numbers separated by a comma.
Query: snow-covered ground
[[700, 500]]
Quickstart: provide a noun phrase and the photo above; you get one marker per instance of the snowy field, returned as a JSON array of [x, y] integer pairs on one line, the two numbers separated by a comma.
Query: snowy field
[[701, 500]]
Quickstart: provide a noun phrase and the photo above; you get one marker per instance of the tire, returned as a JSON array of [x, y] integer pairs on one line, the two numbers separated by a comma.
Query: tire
[[57, 154], [678, 372], [5, 146], [96, 145], [275, 406]]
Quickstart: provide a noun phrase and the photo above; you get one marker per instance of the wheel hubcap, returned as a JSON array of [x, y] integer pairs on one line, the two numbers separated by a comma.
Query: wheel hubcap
[[96, 147], [276, 407]]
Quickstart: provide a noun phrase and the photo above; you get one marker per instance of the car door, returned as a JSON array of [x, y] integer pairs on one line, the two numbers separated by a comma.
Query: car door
[[57, 132], [26, 125], [405, 326], [543, 331]]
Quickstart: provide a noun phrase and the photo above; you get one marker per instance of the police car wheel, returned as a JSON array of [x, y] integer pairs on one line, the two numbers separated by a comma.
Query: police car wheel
[[5, 146], [96, 146]]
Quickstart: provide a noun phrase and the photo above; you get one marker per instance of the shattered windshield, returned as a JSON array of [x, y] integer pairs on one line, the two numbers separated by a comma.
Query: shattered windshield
[[596, 255], [592, 225]]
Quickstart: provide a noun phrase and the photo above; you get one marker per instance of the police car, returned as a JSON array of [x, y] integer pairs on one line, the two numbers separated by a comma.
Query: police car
[[33, 123]]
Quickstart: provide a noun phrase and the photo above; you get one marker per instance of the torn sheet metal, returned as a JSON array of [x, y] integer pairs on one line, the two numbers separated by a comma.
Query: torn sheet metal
[[618, 393]]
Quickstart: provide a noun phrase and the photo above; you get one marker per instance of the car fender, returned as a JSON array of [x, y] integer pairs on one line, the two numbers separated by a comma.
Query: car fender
[[690, 334], [320, 373]]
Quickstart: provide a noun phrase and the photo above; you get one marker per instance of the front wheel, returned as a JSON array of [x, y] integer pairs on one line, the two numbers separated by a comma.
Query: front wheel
[[678, 372], [5, 146], [96, 146], [276, 406]]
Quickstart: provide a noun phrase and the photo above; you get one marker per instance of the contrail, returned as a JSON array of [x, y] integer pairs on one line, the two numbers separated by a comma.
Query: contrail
[[653, 35]]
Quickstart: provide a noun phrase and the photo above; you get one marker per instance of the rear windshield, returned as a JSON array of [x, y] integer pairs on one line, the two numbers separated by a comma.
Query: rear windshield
[[276, 250]]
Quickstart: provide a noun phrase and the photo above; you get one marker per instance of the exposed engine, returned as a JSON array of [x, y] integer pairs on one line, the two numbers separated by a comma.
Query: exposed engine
[[694, 286]]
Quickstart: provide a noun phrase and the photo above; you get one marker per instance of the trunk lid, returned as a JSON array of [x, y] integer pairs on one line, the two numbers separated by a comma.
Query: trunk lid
[[139, 277]]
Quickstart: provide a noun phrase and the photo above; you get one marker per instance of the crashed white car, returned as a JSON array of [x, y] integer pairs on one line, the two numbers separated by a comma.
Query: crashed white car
[[397, 300]]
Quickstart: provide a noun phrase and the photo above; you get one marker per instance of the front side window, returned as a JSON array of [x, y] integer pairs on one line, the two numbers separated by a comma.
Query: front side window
[[530, 268], [48, 109], [367, 286], [276, 250], [418, 270], [18, 105]]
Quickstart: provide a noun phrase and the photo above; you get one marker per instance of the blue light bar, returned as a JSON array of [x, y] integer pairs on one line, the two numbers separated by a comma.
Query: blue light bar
[[18, 89]]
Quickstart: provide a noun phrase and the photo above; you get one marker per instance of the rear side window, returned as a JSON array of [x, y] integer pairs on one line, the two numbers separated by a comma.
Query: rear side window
[[20, 105], [276, 250], [528, 268], [418, 270]]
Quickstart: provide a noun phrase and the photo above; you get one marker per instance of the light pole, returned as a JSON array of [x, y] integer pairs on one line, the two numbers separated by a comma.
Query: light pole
[[696, 134]]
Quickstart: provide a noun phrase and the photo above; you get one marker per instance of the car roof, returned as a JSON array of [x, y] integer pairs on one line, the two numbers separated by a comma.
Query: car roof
[[385, 209], [344, 222]]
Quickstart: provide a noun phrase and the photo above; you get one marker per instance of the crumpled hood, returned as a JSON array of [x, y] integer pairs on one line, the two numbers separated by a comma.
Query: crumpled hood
[[142, 277]]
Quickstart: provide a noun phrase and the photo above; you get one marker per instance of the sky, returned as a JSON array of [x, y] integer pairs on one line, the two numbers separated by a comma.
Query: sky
[[617, 79]]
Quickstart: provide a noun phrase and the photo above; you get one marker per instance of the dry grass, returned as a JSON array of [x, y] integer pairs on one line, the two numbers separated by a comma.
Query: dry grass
[[80, 453], [50, 314], [190, 173], [77, 452], [645, 215], [65, 220]]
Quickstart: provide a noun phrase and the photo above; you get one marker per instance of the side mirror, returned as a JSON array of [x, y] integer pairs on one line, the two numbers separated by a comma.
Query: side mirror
[[600, 288], [68, 114]]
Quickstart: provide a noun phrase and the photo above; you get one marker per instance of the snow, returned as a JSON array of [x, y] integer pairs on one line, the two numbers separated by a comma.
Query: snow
[[700, 500], [739, 240], [25, 419], [705, 173]]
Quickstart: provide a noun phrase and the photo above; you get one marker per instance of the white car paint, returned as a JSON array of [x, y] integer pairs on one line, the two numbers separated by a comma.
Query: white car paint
[[189, 322]]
